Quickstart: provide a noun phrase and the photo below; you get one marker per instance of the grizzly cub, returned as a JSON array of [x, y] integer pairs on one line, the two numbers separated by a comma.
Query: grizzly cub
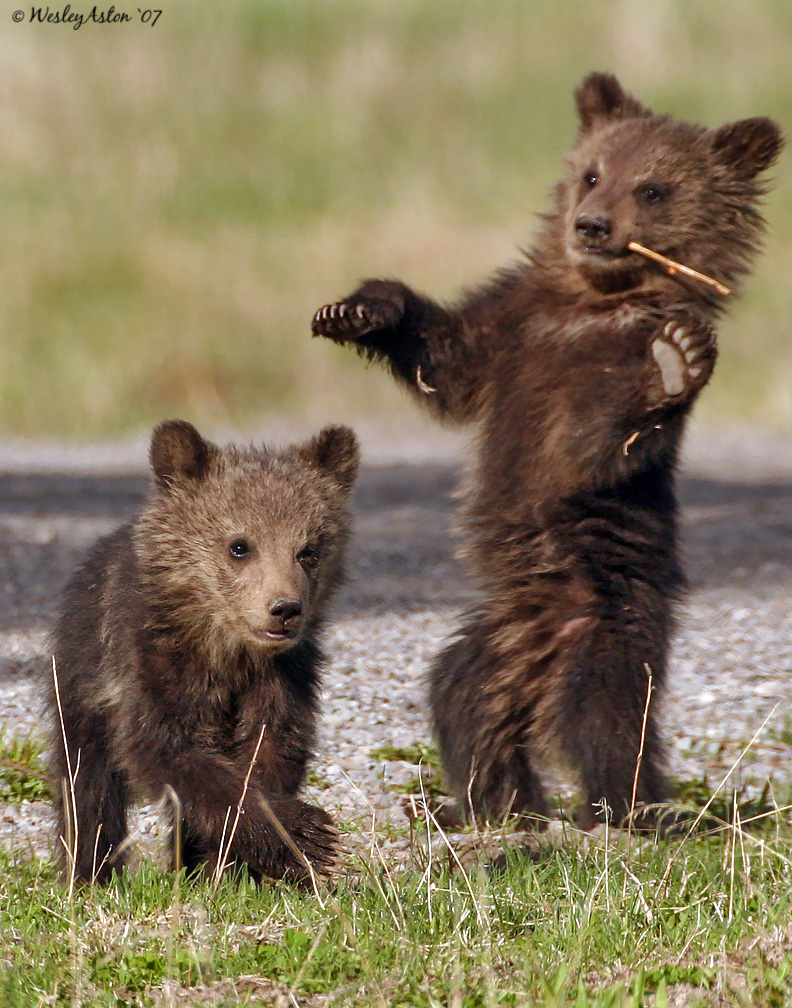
[[579, 366], [189, 637]]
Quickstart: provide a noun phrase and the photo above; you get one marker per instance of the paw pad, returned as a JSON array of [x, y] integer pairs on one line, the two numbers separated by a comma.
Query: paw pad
[[685, 355]]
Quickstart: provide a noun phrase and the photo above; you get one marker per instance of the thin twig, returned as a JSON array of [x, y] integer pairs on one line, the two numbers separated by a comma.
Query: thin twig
[[675, 267]]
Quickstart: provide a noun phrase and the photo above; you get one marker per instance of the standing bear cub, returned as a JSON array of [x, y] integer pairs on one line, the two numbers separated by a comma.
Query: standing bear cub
[[579, 366], [191, 637]]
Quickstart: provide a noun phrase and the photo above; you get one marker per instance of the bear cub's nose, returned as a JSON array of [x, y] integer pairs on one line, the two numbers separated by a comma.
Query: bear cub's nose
[[285, 609], [593, 228]]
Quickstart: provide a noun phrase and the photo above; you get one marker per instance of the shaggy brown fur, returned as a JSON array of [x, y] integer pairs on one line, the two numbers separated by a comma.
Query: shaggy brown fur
[[188, 630], [579, 366]]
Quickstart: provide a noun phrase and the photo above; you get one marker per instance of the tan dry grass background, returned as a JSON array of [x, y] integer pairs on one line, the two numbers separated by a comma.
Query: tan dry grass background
[[176, 200]]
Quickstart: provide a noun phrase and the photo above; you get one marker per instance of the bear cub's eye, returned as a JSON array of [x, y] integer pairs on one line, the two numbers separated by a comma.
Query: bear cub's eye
[[239, 549], [308, 556], [652, 192], [591, 178]]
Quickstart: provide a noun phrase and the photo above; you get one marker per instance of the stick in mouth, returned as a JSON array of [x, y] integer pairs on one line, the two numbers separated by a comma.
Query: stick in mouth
[[674, 267]]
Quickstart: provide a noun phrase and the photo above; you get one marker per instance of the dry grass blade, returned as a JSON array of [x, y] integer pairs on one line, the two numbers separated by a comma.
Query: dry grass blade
[[94, 869], [223, 859], [295, 985], [703, 811], [675, 267], [422, 385], [70, 841], [321, 890], [638, 762], [70, 807], [168, 795], [376, 849], [284, 835], [175, 801], [10, 764], [730, 771], [630, 442], [480, 918]]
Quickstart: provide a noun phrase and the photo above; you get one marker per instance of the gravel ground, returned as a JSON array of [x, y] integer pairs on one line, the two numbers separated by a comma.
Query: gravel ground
[[730, 667]]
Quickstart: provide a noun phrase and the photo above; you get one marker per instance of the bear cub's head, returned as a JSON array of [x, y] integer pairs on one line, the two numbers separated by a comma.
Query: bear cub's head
[[240, 547], [686, 192]]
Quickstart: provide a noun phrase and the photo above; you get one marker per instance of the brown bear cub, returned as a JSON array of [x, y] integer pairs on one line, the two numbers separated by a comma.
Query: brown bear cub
[[187, 632], [579, 366]]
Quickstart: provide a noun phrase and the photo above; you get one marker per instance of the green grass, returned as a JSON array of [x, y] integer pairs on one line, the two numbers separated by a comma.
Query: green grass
[[428, 780], [177, 200], [729, 806], [417, 753], [581, 925], [22, 775], [605, 919]]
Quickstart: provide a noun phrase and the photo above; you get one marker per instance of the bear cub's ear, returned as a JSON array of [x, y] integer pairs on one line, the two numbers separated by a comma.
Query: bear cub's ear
[[748, 146], [334, 451], [600, 98], [177, 449]]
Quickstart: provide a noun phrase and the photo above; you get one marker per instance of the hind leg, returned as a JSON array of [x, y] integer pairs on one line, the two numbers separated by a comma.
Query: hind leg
[[99, 796], [617, 764], [610, 733], [482, 736]]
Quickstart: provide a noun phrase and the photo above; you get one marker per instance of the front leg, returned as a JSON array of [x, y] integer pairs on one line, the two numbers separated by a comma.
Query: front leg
[[427, 347], [683, 358], [261, 845], [209, 788], [372, 318], [673, 361], [678, 364]]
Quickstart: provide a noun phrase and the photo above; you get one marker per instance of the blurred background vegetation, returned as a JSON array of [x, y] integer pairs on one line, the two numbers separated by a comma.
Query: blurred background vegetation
[[177, 200]]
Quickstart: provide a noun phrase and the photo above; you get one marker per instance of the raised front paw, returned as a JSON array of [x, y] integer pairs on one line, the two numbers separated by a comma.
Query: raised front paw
[[376, 305], [685, 355]]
